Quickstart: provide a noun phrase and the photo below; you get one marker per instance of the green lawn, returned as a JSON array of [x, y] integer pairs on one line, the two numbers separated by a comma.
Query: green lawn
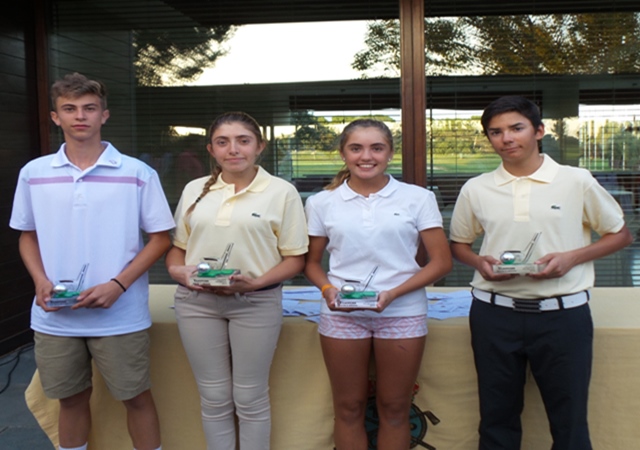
[[307, 163]]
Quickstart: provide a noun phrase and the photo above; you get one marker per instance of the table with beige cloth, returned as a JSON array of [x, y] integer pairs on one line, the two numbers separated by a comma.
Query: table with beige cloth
[[301, 395]]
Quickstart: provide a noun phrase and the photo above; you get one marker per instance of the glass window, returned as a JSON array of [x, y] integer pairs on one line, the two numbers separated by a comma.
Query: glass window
[[581, 68], [304, 72], [172, 67]]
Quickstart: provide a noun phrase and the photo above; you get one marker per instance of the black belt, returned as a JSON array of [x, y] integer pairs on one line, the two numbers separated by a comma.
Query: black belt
[[268, 288]]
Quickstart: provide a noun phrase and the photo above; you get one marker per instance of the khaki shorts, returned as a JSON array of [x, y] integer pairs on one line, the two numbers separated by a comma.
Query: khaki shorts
[[64, 363]]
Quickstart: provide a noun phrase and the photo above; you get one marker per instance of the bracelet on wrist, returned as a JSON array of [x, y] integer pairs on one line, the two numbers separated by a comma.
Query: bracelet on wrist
[[124, 289], [325, 287]]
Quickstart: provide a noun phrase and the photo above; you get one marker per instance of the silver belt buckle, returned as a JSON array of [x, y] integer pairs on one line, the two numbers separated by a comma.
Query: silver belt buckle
[[526, 306]]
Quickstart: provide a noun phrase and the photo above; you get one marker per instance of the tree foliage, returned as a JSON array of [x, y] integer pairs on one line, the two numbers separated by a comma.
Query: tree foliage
[[383, 49], [312, 133], [558, 44], [446, 48], [172, 56], [522, 44]]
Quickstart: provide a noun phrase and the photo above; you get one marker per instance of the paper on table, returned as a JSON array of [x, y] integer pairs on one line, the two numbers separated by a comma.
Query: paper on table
[[289, 307], [450, 304], [314, 319], [464, 293], [306, 293], [294, 308], [308, 308], [303, 301]]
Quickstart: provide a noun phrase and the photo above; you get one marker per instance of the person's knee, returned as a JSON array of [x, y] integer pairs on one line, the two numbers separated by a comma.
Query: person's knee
[[393, 412], [216, 403], [350, 410], [252, 403], [80, 399], [142, 401]]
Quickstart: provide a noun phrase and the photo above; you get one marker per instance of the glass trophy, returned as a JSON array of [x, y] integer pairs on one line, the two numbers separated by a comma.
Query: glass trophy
[[352, 297], [213, 271], [65, 292], [516, 262]]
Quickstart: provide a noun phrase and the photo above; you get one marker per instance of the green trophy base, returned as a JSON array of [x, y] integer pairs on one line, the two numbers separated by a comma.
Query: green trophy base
[[517, 269], [358, 299], [215, 277], [63, 300]]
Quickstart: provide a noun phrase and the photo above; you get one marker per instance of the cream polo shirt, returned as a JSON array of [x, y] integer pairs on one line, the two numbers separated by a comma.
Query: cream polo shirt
[[265, 221], [564, 203], [380, 230]]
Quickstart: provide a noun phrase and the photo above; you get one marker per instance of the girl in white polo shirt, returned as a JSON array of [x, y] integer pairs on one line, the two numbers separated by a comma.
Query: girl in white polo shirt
[[367, 220], [262, 216]]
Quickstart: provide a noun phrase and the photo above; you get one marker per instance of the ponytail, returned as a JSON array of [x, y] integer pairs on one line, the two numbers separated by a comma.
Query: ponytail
[[340, 177]]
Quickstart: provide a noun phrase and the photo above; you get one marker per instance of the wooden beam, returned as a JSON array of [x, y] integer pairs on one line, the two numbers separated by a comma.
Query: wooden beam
[[413, 93]]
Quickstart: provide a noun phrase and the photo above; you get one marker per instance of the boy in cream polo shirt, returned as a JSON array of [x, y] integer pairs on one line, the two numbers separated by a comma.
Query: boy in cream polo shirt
[[87, 204], [542, 319]]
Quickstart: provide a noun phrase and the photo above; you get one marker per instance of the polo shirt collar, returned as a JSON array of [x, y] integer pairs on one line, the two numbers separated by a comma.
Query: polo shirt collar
[[349, 194], [545, 173], [110, 157], [259, 183]]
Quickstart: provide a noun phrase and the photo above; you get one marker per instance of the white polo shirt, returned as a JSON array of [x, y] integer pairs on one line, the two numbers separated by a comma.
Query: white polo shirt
[[564, 203], [92, 216], [264, 221], [380, 230]]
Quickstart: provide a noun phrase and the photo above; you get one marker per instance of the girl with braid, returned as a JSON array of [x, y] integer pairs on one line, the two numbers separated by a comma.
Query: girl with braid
[[263, 217]]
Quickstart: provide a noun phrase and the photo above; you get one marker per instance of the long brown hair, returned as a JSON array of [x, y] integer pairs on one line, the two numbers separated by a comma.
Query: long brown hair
[[227, 118], [344, 173]]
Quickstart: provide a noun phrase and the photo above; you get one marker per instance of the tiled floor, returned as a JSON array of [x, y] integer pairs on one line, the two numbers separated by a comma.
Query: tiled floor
[[18, 429]]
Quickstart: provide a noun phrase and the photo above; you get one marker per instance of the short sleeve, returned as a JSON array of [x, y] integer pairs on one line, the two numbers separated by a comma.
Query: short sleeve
[[428, 214], [293, 238], [602, 213], [155, 212], [182, 231], [315, 222], [464, 227]]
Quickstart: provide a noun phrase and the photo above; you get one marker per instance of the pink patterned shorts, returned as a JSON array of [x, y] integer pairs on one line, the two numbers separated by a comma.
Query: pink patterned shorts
[[354, 327]]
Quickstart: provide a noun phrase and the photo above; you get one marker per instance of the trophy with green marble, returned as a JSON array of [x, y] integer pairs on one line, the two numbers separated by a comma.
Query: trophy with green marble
[[350, 296], [65, 292], [213, 271], [516, 262]]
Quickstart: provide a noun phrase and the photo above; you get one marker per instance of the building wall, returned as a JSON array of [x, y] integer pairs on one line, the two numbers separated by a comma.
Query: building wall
[[19, 144]]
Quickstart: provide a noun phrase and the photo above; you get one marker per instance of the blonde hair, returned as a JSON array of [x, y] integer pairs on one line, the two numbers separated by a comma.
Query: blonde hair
[[227, 118], [344, 173]]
